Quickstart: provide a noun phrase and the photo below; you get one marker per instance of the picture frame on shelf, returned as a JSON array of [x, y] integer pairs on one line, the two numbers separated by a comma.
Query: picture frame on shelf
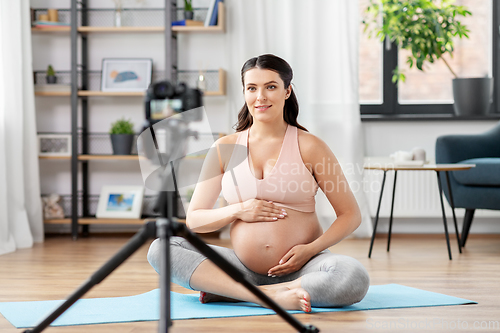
[[120, 202], [54, 144], [126, 74]]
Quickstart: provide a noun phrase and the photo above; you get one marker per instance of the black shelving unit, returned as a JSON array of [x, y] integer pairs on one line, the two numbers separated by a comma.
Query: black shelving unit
[[85, 83], [80, 79]]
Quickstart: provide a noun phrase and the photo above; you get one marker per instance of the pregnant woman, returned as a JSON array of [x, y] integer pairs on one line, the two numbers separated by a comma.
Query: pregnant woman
[[275, 233]]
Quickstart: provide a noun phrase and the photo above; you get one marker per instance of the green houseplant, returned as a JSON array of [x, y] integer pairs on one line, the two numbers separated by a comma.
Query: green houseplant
[[51, 75], [427, 28], [122, 136], [188, 10]]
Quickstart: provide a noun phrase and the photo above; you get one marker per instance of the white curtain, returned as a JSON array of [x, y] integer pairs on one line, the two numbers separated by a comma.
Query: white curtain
[[319, 39], [21, 221]]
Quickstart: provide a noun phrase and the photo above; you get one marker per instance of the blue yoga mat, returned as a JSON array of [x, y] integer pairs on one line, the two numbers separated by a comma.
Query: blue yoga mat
[[145, 307]]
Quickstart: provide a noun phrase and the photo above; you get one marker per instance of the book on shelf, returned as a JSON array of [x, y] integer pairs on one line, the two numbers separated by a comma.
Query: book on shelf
[[215, 13], [53, 88], [190, 23], [212, 13]]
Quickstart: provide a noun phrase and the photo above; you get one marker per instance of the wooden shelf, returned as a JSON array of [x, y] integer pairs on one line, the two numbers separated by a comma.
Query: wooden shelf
[[51, 29], [93, 157], [108, 157], [57, 221], [91, 220], [88, 93], [52, 93], [91, 29], [96, 93], [54, 157], [219, 28]]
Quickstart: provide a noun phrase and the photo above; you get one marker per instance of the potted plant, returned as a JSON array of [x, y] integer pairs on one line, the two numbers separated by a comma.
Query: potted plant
[[427, 28], [122, 136], [188, 10], [51, 75]]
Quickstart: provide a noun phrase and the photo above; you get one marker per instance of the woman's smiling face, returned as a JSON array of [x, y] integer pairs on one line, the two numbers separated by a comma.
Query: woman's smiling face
[[265, 94]]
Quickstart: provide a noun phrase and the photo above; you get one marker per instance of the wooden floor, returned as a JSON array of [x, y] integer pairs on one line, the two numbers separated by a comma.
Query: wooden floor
[[52, 270]]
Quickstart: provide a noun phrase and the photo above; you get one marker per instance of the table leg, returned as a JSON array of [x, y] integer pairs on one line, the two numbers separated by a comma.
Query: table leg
[[392, 210], [452, 204], [376, 216], [444, 214]]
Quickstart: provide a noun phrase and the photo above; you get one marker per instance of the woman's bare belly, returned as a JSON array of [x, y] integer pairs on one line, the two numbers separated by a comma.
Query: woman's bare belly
[[261, 245]]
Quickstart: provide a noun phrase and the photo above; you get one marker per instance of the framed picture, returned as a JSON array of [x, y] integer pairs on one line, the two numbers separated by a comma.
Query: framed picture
[[120, 202], [54, 145], [126, 75]]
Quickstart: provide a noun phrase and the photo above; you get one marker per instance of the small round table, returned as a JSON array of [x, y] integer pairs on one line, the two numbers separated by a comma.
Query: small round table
[[387, 166]]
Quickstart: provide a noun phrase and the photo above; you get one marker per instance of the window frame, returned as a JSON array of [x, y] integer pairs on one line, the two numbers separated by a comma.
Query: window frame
[[391, 108]]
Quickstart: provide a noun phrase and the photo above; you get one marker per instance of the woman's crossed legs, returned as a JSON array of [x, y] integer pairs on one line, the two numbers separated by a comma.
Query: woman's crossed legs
[[326, 280]]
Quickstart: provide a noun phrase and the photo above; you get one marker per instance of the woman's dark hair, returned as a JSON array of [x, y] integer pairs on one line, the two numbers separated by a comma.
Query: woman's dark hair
[[280, 66]]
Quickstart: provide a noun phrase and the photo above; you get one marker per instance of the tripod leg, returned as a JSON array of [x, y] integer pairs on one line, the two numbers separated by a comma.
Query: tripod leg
[[146, 232], [376, 216], [165, 314], [392, 210], [444, 214], [181, 230], [452, 204]]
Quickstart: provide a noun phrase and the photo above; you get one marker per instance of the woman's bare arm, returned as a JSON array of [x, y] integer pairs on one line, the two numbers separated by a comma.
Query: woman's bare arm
[[332, 181], [201, 215]]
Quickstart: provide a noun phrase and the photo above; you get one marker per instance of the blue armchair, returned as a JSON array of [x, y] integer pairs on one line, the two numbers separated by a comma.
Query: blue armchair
[[479, 187]]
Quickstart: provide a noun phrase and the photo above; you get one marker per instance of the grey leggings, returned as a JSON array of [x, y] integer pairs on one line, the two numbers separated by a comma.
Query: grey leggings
[[332, 280]]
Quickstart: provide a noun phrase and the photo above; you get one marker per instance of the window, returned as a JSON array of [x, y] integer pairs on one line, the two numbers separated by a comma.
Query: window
[[428, 92], [370, 65]]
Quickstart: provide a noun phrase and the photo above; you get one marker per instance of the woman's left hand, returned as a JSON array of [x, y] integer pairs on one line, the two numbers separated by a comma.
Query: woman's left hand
[[292, 261]]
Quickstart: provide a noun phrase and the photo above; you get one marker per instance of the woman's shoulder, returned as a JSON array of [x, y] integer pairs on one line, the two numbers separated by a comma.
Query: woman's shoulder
[[226, 146], [308, 140], [227, 139], [311, 146]]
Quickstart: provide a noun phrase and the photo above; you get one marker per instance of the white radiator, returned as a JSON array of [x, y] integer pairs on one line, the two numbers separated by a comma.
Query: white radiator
[[417, 195]]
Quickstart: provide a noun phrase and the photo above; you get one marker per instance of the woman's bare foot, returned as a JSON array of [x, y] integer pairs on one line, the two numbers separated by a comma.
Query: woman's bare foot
[[208, 298], [288, 295], [290, 298], [293, 299]]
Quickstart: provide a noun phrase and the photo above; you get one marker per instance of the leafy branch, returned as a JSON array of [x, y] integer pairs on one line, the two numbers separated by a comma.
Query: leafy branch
[[425, 27]]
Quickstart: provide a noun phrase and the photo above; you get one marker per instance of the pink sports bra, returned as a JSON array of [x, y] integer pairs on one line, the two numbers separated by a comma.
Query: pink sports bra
[[290, 184]]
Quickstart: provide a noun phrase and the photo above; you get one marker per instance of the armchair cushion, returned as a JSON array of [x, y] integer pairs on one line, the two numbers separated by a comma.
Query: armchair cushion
[[486, 172]]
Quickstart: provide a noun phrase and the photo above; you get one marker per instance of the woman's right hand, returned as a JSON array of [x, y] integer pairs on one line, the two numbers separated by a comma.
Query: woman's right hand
[[256, 210]]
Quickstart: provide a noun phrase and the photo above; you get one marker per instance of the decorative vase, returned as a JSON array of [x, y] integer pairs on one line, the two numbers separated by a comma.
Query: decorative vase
[[472, 96], [188, 14], [202, 83], [118, 17], [51, 79], [122, 143]]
